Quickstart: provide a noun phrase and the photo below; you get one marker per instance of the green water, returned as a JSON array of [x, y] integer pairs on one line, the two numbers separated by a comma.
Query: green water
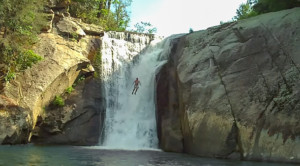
[[29, 155]]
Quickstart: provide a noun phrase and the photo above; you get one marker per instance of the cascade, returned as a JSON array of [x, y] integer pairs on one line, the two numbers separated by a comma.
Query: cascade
[[130, 121]]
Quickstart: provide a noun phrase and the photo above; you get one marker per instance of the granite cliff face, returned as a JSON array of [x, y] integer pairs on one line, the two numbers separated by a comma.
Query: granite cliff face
[[233, 90]]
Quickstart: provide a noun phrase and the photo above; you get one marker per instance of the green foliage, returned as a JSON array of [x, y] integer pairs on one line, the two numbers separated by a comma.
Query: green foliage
[[69, 90], [58, 101], [78, 80], [82, 78], [27, 59], [256, 7], [21, 21], [97, 62], [15, 60], [191, 30], [144, 27], [110, 14], [265, 6], [74, 36], [245, 11], [9, 76]]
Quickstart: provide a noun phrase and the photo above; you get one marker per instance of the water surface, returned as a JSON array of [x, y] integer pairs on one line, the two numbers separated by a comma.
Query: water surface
[[29, 155]]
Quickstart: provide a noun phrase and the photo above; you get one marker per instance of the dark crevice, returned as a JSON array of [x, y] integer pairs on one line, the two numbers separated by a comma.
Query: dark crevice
[[237, 134], [285, 15]]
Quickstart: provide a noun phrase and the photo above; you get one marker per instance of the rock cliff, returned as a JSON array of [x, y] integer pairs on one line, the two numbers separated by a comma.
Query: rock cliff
[[70, 49], [232, 91]]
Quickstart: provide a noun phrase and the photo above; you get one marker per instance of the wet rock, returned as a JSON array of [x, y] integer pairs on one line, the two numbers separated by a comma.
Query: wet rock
[[168, 117], [78, 122]]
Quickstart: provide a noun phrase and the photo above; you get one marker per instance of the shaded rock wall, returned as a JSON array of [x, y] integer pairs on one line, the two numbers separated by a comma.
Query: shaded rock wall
[[78, 122], [168, 115], [238, 87]]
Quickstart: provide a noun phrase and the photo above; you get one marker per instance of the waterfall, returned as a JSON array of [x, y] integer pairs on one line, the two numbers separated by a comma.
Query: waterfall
[[130, 121]]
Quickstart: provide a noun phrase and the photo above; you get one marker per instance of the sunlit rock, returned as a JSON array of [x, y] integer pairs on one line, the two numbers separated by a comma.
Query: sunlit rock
[[89, 29], [70, 28], [238, 89], [37, 86]]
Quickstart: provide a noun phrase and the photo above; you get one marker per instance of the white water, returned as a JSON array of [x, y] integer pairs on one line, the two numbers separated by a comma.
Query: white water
[[130, 119]]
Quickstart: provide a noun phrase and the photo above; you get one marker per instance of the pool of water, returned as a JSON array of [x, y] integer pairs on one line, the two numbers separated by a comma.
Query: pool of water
[[30, 155]]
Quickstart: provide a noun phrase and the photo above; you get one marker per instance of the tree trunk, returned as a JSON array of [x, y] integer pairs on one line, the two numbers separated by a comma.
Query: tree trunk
[[101, 6], [108, 4]]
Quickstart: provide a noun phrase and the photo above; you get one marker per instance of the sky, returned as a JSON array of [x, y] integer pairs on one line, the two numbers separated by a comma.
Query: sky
[[178, 16]]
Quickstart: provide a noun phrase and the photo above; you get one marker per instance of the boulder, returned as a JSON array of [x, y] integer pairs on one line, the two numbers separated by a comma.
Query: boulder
[[238, 87], [15, 122], [89, 29], [67, 27]]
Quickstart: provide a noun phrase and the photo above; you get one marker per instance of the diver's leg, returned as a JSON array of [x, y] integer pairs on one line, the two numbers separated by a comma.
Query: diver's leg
[[136, 89]]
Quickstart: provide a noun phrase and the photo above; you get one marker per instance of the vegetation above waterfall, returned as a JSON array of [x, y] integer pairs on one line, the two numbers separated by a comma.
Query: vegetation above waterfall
[[110, 14], [144, 27], [256, 7]]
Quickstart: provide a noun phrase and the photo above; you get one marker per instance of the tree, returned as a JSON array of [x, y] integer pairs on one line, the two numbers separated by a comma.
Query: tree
[[108, 4], [102, 6], [256, 7], [191, 30], [245, 11], [121, 14], [265, 6], [144, 27], [110, 14]]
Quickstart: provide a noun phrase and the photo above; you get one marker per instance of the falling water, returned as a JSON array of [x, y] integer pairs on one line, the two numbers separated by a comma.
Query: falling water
[[130, 119]]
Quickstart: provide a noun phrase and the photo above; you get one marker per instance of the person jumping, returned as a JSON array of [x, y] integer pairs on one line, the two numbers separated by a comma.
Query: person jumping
[[136, 83]]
